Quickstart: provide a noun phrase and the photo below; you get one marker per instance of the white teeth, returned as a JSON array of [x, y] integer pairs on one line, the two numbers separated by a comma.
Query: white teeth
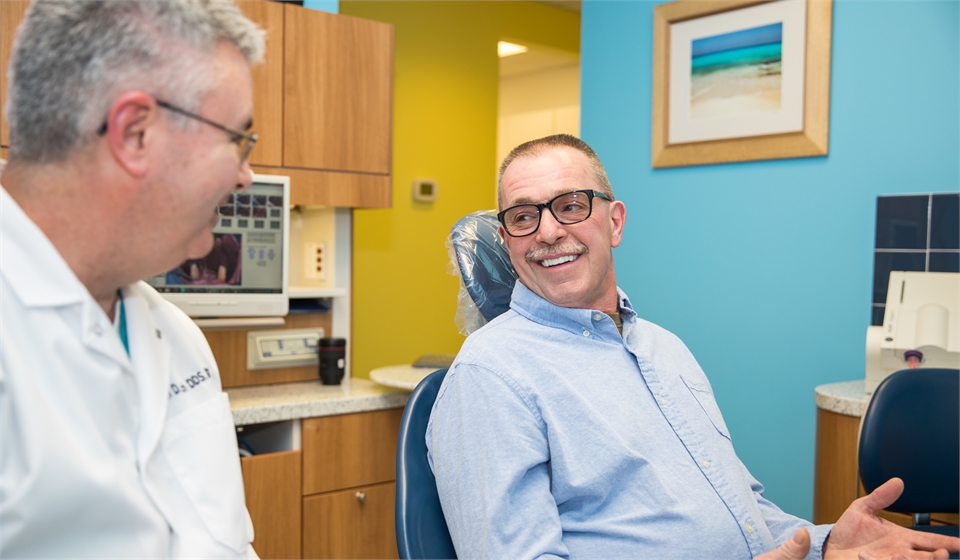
[[547, 263]]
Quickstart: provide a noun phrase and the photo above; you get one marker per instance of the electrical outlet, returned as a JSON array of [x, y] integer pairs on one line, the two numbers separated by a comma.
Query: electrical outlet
[[315, 261]]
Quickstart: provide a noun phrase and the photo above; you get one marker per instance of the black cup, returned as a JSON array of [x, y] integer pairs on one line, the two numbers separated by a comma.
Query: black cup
[[333, 359]]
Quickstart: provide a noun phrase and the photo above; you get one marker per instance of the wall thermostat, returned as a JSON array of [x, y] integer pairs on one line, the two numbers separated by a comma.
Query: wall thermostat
[[282, 348], [424, 190]]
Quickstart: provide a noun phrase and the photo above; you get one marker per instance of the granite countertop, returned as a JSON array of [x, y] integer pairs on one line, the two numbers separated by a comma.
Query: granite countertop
[[847, 397], [306, 399]]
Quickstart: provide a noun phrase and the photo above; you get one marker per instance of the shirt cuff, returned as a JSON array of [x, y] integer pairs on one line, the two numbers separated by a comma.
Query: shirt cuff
[[818, 541]]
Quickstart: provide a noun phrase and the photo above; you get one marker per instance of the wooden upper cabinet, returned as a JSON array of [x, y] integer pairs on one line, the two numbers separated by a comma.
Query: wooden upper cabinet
[[338, 83], [267, 83], [11, 13], [322, 101]]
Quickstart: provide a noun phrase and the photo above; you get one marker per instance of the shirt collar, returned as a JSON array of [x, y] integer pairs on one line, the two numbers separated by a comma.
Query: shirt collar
[[535, 308], [30, 263]]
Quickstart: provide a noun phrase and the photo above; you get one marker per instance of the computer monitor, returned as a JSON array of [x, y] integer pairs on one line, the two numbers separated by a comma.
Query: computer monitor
[[245, 274]]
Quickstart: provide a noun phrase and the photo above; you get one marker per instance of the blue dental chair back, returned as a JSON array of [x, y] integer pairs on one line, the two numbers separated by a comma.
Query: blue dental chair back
[[484, 263], [487, 277], [911, 430], [421, 528]]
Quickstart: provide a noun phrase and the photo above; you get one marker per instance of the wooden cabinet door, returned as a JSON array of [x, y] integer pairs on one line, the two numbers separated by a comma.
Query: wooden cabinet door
[[835, 473], [338, 92], [355, 523], [11, 13], [271, 483], [350, 450], [267, 83]]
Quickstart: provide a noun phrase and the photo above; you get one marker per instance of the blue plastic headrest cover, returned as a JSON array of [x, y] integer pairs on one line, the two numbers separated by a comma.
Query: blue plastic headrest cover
[[484, 263]]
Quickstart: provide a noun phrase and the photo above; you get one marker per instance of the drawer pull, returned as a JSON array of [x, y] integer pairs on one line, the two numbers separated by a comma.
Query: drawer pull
[[361, 497]]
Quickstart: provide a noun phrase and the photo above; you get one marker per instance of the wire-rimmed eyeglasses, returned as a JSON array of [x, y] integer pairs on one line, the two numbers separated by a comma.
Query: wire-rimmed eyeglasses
[[245, 142], [568, 208]]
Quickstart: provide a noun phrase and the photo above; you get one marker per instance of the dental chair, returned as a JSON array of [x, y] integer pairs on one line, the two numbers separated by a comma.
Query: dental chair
[[480, 259], [911, 430]]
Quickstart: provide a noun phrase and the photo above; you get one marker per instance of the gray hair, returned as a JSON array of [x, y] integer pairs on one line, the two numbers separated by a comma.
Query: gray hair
[[71, 58], [541, 145]]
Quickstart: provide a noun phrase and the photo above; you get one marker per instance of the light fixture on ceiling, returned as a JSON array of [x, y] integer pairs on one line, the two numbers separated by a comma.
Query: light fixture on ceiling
[[509, 49]]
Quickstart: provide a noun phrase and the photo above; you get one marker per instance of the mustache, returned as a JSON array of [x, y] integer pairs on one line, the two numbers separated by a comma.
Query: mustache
[[543, 252]]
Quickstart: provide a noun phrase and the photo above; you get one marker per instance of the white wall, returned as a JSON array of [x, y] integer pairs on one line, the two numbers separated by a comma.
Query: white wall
[[537, 104]]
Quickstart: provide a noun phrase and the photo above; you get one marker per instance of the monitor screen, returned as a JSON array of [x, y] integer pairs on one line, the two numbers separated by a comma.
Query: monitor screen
[[245, 274]]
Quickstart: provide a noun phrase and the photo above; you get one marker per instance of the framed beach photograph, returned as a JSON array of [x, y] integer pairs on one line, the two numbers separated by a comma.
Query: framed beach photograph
[[740, 80]]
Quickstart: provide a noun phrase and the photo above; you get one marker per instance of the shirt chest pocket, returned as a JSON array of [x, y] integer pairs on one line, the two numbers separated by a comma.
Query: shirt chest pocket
[[201, 447], [704, 396]]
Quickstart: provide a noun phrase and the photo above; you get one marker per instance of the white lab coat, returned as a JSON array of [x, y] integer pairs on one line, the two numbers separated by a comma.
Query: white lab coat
[[101, 454]]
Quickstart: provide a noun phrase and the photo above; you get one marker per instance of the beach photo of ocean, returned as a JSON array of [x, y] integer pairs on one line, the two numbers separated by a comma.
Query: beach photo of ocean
[[736, 73]]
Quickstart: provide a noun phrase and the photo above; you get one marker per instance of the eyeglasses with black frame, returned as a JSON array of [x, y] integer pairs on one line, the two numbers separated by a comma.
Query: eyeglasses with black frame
[[245, 142], [568, 208]]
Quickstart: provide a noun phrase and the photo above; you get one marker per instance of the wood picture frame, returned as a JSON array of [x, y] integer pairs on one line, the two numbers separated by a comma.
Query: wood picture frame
[[811, 140]]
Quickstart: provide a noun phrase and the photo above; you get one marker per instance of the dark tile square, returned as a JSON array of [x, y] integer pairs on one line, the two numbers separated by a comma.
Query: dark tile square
[[902, 222], [945, 262], [883, 263], [877, 318], [945, 221]]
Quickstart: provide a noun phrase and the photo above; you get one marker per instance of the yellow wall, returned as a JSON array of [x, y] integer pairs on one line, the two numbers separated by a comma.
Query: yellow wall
[[444, 128]]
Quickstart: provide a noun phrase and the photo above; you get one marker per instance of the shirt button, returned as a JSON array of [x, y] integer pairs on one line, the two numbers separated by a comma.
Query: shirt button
[[663, 400], [586, 333], [96, 329], [597, 316], [706, 464], [749, 528]]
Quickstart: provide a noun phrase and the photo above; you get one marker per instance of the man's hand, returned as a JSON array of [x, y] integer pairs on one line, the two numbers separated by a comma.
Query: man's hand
[[861, 534], [796, 548]]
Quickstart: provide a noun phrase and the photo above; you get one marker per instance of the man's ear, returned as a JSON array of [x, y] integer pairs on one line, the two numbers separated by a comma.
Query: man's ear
[[503, 235], [618, 215], [131, 130]]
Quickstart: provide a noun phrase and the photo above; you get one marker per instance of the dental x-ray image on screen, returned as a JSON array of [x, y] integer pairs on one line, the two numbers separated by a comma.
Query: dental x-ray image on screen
[[245, 273]]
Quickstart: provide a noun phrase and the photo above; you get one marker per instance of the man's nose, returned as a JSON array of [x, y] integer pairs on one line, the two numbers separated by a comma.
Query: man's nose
[[550, 230], [245, 177]]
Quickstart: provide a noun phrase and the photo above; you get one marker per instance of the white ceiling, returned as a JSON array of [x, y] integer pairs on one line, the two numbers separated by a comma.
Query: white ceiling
[[537, 59]]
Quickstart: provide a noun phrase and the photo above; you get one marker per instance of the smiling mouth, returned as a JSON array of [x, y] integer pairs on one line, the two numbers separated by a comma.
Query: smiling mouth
[[547, 263]]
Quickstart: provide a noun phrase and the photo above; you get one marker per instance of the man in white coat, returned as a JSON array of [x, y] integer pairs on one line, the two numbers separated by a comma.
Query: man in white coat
[[127, 128]]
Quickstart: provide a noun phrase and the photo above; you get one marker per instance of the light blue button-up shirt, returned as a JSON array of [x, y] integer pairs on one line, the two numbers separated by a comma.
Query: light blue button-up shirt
[[552, 436]]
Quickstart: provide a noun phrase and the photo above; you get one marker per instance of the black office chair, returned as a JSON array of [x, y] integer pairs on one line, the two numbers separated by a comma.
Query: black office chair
[[421, 528], [911, 430]]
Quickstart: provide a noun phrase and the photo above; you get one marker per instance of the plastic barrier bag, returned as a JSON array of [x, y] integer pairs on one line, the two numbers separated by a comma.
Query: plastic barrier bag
[[480, 259]]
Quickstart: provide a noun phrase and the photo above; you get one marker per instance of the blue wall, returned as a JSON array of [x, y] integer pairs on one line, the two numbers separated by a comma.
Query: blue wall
[[764, 269], [332, 6]]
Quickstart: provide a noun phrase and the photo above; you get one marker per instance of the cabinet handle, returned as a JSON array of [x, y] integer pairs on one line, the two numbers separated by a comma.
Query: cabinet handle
[[361, 497]]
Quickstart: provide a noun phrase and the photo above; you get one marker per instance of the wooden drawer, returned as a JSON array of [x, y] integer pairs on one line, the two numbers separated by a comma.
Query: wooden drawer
[[349, 450], [271, 483], [355, 523]]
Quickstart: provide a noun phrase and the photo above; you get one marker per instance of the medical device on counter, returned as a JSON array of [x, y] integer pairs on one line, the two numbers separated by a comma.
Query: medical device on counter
[[921, 326], [245, 274]]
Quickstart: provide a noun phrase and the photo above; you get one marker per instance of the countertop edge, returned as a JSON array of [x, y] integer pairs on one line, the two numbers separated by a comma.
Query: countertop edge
[[846, 397], [294, 401]]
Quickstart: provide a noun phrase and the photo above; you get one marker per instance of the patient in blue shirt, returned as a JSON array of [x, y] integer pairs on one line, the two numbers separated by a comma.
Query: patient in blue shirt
[[569, 427]]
